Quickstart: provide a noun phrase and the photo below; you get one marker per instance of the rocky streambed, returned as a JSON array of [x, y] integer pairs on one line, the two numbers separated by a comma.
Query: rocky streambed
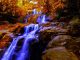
[[55, 42]]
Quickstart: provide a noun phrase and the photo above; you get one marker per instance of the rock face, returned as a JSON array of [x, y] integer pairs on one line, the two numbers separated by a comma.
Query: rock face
[[55, 42], [59, 40], [58, 53], [74, 45], [58, 44]]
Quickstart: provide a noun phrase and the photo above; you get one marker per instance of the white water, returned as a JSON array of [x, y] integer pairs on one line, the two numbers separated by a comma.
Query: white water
[[24, 52], [29, 35], [8, 54]]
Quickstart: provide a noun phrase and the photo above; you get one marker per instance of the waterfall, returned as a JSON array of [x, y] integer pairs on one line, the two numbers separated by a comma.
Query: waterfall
[[28, 35], [24, 52], [34, 11], [8, 54], [41, 19]]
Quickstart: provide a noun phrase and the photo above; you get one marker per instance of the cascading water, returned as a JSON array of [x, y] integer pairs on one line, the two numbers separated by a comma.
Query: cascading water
[[41, 19], [24, 52], [8, 54], [28, 35], [34, 11]]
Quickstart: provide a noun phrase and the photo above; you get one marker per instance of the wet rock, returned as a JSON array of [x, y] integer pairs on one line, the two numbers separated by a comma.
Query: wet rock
[[54, 27], [58, 53], [59, 40], [45, 37], [48, 24], [74, 45], [45, 34], [48, 33]]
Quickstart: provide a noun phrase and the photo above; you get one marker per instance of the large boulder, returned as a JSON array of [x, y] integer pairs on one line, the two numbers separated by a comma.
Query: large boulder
[[58, 53], [59, 40], [74, 46]]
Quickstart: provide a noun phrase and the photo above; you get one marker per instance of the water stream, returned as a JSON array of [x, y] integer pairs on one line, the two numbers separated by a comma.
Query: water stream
[[28, 35]]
